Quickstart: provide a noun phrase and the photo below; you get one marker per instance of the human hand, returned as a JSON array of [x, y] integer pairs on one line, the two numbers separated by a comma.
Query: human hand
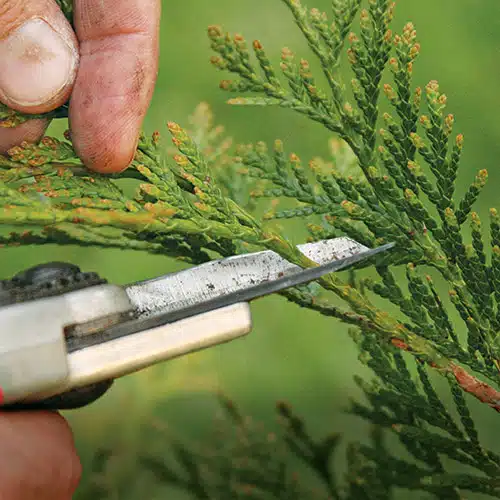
[[108, 66], [38, 460]]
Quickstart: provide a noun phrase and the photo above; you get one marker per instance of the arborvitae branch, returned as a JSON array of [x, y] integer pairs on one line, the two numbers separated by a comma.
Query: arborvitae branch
[[389, 178]]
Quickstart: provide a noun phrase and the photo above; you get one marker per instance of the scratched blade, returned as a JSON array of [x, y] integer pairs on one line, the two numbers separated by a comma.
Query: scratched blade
[[218, 278], [240, 295]]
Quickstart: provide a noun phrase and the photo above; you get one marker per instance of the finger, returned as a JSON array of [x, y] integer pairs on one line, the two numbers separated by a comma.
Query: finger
[[38, 459], [38, 55], [117, 73], [31, 131]]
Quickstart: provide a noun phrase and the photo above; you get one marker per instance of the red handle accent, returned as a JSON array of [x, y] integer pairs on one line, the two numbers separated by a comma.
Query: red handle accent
[[1, 396]]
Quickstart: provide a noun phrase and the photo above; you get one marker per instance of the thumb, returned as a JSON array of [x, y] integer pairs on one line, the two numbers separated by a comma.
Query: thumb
[[38, 55]]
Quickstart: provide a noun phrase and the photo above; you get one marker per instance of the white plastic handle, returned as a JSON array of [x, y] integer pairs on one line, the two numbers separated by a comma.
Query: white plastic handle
[[125, 355]]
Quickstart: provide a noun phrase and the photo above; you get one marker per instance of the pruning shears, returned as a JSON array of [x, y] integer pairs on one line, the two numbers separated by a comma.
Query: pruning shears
[[66, 335]]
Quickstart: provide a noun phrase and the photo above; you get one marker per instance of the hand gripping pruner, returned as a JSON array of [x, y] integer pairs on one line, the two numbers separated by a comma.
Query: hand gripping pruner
[[65, 335]]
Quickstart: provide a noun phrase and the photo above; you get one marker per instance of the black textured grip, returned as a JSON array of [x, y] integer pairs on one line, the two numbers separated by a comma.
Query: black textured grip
[[45, 280]]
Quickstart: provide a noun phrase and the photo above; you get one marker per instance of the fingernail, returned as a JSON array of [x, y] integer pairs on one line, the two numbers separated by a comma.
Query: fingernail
[[36, 64]]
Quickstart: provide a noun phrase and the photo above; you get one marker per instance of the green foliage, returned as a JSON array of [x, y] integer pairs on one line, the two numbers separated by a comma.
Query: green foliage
[[391, 177]]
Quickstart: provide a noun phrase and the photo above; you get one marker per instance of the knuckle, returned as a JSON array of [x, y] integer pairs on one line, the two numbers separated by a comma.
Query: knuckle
[[103, 64]]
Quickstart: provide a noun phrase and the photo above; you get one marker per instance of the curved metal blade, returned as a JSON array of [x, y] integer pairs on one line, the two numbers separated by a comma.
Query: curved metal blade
[[222, 277]]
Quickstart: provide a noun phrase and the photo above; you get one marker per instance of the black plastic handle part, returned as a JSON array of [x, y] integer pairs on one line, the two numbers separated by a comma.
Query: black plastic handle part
[[70, 400]]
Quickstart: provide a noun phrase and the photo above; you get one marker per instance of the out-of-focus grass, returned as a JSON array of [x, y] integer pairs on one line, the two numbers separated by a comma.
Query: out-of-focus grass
[[291, 354]]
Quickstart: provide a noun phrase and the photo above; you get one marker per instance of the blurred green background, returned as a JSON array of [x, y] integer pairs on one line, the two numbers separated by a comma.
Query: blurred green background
[[291, 354]]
